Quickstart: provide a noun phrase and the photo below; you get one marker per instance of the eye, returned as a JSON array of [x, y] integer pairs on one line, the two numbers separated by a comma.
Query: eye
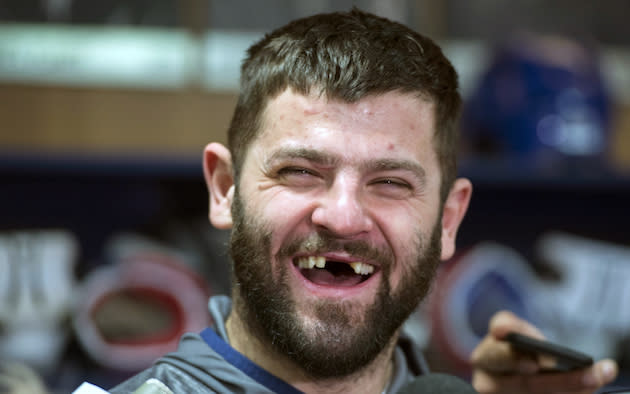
[[392, 187], [392, 182], [298, 176], [295, 171]]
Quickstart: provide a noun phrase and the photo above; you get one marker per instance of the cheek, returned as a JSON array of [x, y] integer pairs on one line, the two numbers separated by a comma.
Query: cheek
[[401, 223], [287, 215], [284, 208], [409, 234]]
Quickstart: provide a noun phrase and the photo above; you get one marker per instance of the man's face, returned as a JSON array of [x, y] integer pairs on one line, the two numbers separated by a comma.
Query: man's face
[[337, 226]]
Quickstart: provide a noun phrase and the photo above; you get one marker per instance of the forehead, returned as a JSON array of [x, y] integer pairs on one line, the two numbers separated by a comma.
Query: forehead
[[393, 117]]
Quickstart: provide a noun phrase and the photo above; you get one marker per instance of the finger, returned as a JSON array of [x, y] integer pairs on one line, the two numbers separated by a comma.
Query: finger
[[498, 356], [504, 322], [601, 373]]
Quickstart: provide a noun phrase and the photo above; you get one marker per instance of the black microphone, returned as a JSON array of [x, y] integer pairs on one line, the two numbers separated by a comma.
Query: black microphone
[[438, 383]]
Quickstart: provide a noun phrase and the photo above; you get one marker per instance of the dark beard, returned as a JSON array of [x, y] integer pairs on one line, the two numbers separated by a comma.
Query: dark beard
[[343, 342]]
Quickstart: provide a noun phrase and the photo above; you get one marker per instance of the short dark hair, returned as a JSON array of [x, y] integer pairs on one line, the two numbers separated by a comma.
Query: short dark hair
[[347, 56]]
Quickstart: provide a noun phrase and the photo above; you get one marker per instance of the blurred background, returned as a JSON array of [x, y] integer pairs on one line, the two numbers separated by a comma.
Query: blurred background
[[106, 254]]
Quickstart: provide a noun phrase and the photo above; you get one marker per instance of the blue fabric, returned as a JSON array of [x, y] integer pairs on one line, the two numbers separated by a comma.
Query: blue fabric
[[241, 362]]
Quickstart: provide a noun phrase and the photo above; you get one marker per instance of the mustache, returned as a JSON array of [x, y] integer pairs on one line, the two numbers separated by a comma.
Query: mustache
[[319, 243]]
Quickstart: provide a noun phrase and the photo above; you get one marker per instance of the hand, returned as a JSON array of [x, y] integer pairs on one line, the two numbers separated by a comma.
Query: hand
[[500, 369]]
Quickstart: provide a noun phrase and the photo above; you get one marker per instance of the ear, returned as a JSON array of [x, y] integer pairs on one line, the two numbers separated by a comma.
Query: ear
[[455, 208], [217, 170]]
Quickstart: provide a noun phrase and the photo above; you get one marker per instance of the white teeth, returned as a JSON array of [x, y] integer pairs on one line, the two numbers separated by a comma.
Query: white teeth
[[306, 262], [320, 262], [362, 269], [311, 262]]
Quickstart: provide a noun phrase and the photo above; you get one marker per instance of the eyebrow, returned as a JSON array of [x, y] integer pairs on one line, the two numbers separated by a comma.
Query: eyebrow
[[312, 155], [328, 160]]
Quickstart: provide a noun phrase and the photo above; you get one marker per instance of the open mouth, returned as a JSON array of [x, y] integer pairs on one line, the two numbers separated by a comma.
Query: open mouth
[[324, 272]]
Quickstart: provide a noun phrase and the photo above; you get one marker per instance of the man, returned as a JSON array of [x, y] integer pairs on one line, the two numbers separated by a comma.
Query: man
[[340, 187]]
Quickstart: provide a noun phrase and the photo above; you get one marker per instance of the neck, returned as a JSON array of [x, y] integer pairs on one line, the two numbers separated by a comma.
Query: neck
[[373, 378]]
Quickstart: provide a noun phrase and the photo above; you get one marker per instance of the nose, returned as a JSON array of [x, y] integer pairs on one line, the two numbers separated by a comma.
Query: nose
[[341, 210]]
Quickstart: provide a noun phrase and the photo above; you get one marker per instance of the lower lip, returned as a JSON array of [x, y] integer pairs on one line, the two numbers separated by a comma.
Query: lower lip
[[328, 291]]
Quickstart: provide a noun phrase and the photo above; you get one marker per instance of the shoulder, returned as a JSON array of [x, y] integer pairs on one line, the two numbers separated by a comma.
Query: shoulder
[[177, 379], [180, 370], [194, 368]]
